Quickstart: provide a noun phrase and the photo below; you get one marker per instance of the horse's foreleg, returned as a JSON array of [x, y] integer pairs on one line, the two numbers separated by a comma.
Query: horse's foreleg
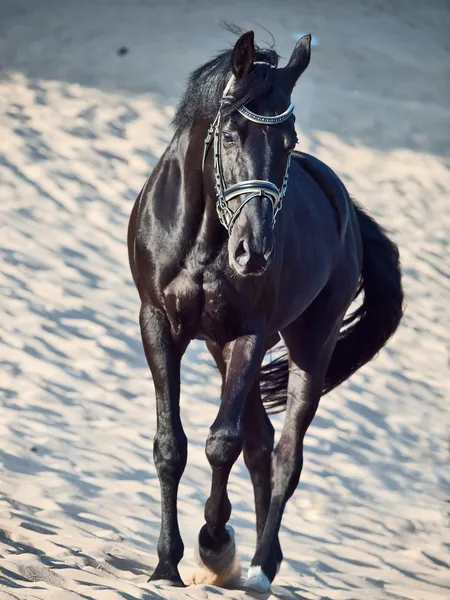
[[170, 444], [242, 358]]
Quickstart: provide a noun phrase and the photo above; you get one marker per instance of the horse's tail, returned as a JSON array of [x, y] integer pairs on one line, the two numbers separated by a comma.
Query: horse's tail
[[366, 330]]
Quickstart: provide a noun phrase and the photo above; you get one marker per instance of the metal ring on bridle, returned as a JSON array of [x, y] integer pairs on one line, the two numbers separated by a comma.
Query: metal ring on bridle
[[252, 188]]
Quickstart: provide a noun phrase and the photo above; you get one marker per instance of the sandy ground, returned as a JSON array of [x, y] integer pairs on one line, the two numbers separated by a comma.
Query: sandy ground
[[81, 128]]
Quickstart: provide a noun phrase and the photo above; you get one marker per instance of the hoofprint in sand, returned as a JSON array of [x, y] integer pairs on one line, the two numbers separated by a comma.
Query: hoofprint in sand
[[79, 496]]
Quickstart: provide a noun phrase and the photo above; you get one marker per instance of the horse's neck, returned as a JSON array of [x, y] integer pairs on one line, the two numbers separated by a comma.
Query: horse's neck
[[196, 193]]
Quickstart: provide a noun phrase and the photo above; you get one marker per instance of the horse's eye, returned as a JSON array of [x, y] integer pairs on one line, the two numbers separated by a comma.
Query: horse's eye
[[227, 137]]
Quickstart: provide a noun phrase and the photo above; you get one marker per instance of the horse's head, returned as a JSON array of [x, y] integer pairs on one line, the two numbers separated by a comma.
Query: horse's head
[[252, 147]]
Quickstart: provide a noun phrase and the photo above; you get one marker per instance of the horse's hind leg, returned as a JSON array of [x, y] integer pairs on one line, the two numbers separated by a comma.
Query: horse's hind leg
[[310, 347], [170, 445], [258, 446], [241, 361]]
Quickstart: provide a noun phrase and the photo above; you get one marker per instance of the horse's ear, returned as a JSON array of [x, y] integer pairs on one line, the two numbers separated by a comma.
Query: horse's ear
[[243, 55], [298, 61]]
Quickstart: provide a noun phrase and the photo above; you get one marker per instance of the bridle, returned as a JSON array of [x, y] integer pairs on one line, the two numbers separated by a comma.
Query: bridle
[[253, 188]]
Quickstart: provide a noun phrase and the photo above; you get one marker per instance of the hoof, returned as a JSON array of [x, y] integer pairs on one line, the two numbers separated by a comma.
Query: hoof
[[169, 582], [219, 562], [215, 555], [166, 576], [257, 580]]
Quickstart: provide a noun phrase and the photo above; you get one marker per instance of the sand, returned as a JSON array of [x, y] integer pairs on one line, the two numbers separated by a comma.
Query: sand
[[80, 129]]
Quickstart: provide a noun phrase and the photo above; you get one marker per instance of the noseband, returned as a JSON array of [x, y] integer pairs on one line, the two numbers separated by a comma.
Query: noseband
[[253, 188]]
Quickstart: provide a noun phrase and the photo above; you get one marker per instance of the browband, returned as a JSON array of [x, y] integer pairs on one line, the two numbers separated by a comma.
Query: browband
[[266, 119]]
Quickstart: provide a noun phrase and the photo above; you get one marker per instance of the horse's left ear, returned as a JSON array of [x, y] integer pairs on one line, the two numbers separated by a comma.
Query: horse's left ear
[[243, 55], [298, 61]]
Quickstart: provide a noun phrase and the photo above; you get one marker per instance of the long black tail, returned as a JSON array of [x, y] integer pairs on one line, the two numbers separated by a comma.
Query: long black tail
[[366, 330]]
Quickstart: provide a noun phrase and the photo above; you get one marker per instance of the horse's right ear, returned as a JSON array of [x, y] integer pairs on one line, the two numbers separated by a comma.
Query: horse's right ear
[[243, 55], [298, 61]]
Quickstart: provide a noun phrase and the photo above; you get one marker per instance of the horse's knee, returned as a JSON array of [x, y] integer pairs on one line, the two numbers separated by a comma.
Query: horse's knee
[[223, 447], [170, 454]]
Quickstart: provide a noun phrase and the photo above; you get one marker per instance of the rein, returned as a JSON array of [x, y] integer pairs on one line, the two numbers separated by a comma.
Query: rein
[[252, 188]]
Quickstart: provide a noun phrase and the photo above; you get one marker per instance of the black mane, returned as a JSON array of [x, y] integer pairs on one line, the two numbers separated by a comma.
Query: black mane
[[206, 84]]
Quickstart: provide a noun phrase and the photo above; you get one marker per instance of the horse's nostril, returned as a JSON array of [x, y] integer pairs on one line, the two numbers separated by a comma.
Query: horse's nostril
[[242, 253], [250, 259]]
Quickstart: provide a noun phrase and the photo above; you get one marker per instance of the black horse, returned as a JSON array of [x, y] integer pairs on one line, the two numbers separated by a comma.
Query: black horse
[[210, 263]]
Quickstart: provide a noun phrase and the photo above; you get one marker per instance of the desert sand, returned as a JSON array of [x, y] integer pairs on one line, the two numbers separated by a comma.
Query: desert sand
[[81, 127]]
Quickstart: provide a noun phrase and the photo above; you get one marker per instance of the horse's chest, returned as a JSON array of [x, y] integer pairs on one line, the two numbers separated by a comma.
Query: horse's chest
[[195, 304]]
